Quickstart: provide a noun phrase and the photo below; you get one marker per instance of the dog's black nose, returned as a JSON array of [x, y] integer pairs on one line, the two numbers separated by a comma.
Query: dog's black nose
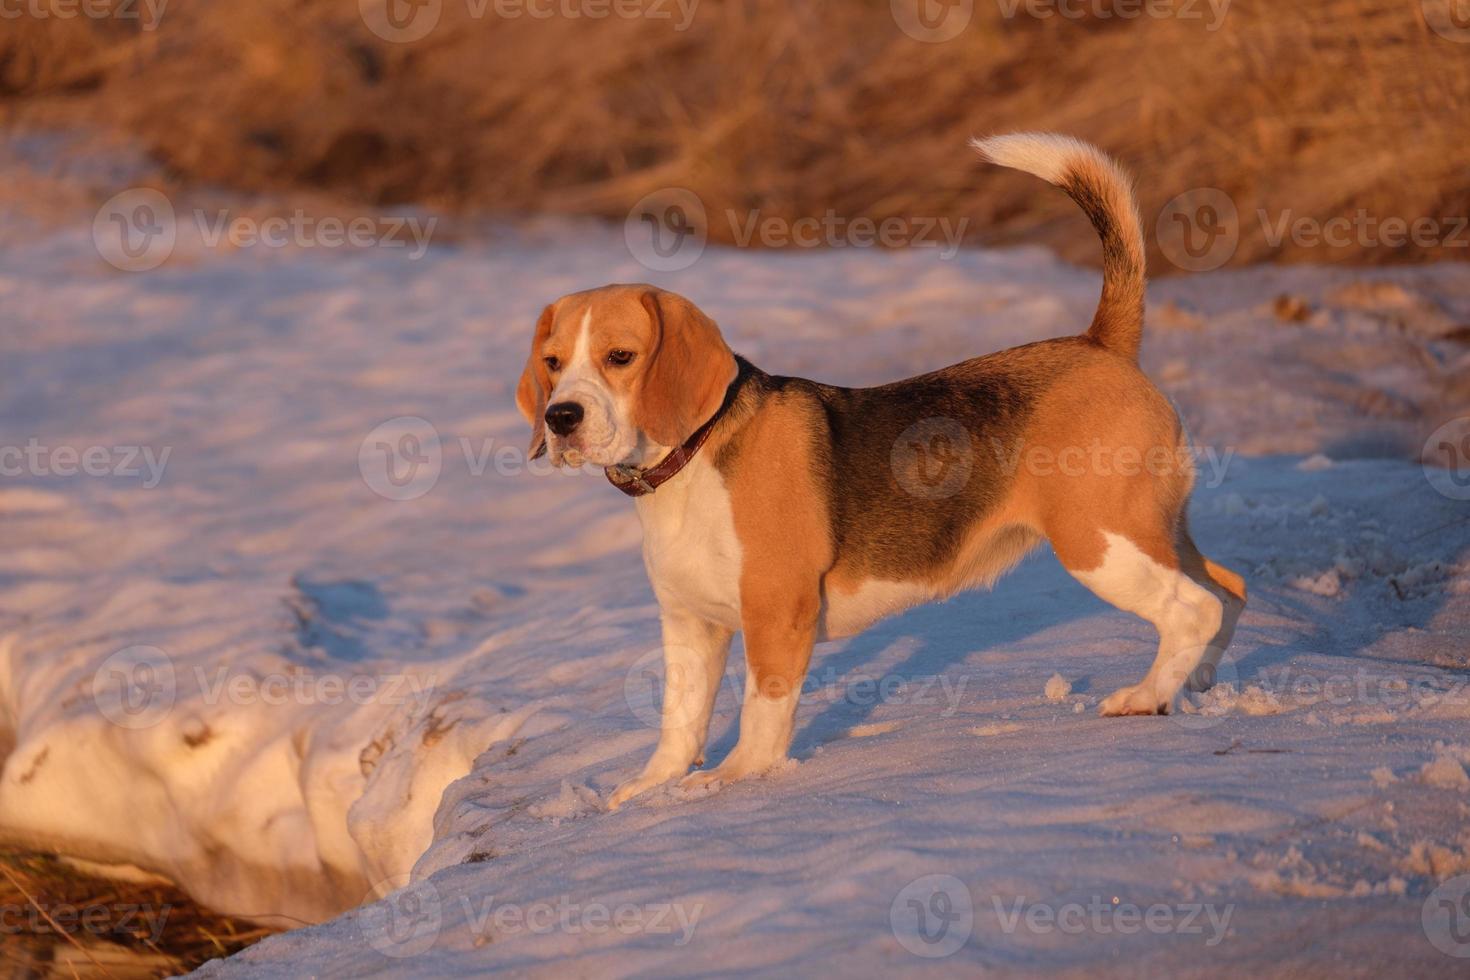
[[563, 417]]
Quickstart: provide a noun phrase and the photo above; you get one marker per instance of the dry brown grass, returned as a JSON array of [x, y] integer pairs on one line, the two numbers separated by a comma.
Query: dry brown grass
[[790, 107], [56, 921]]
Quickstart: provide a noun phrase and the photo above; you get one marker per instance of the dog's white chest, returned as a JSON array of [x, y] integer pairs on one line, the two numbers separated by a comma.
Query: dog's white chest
[[689, 545]]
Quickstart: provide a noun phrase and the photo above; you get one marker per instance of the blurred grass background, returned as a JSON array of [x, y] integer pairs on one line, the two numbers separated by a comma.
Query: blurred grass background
[[792, 107]]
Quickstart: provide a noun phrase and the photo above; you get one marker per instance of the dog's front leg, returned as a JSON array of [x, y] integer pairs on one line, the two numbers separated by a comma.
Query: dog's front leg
[[780, 629], [694, 664]]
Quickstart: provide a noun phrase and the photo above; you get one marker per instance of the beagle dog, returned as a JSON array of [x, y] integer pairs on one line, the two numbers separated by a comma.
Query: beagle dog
[[795, 511]]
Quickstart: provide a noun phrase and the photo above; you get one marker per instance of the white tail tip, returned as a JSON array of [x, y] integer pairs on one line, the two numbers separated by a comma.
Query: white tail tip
[[1047, 155]]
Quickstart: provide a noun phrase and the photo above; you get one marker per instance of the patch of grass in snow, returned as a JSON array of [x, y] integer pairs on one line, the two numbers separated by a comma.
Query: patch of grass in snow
[[58, 921]]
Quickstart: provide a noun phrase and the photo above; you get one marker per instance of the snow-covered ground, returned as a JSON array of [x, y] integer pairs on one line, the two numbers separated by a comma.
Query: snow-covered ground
[[307, 630]]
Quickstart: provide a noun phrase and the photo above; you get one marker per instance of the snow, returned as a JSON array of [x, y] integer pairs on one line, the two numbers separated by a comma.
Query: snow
[[1446, 770], [1057, 688], [291, 683]]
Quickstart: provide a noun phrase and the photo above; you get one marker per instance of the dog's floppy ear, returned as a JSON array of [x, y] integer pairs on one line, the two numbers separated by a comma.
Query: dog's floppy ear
[[688, 371], [535, 385]]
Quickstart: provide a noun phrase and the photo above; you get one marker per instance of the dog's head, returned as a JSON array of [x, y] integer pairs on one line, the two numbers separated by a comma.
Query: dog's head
[[621, 374]]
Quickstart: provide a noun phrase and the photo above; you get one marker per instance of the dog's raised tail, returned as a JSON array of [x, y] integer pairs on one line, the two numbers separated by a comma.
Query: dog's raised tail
[[1104, 192]]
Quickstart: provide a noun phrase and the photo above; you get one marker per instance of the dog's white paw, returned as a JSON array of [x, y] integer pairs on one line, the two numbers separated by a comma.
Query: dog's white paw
[[1140, 699], [735, 768], [703, 782], [635, 787]]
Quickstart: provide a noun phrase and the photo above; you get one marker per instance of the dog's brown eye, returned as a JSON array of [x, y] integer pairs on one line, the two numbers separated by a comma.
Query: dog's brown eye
[[620, 358], [552, 363]]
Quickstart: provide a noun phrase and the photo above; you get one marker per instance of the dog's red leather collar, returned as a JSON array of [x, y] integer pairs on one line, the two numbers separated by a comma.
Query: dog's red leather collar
[[639, 482]]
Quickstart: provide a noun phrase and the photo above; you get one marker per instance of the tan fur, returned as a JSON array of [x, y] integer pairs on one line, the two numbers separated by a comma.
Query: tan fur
[[781, 521], [535, 383], [1225, 579], [689, 371], [1118, 322], [1107, 410]]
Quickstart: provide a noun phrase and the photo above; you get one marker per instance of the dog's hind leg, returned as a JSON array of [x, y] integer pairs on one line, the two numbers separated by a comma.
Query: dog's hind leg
[[1226, 586], [1152, 585]]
